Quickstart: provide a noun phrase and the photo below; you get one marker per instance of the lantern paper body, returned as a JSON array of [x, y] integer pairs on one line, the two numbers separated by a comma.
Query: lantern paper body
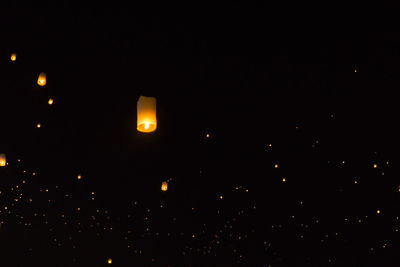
[[13, 57], [42, 79], [2, 160], [146, 114], [164, 186]]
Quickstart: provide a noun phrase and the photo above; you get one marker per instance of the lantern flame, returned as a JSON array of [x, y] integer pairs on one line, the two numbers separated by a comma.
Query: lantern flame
[[2, 160], [13, 57], [164, 186], [146, 114], [42, 79]]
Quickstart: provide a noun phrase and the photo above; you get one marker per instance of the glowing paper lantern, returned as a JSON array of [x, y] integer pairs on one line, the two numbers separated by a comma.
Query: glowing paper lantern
[[51, 101], [164, 186], [42, 79], [13, 57], [2, 160], [146, 114]]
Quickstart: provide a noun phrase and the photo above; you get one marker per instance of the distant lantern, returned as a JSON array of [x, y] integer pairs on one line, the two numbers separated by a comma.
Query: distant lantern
[[42, 79], [164, 186], [2, 160], [13, 57], [109, 261], [146, 114], [51, 101]]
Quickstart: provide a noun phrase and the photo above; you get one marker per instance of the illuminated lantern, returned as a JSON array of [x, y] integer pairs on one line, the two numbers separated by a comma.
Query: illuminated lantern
[[164, 186], [146, 114], [42, 79], [51, 101], [13, 57], [109, 261], [2, 160]]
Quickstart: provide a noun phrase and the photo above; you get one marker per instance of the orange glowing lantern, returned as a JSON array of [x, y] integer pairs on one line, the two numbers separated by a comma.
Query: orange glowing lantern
[[109, 261], [13, 57], [42, 79], [164, 186], [51, 101], [2, 160], [146, 114]]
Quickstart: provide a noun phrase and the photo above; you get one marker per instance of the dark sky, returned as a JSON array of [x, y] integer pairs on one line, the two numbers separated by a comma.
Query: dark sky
[[238, 75]]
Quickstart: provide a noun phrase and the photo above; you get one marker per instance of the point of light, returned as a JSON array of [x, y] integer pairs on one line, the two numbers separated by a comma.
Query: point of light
[[378, 211], [375, 166], [164, 186], [146, 125], [50, 101], [109, 261], [38, 125]]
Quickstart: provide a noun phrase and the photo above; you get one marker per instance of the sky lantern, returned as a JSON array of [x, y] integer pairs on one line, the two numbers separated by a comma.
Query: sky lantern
[[50, 101], [13, 57], [2, 160], [42, 79], [146, 114], [164, 186]]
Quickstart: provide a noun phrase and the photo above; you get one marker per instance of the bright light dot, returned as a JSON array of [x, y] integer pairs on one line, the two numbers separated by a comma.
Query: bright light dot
[[38, 125], [378, 211], [13, 57], [375, 166], [276, 165], [109, 261], [146, 125], [50, 101], [221, 197], [208, 135], [164, 186], [355, 182], [284, 180], [79, 176], [355, 70]]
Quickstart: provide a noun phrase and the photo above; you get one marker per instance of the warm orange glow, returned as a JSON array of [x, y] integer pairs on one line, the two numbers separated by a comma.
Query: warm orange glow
[[13, 57], [109, 261], [276, 165], [38, 125], [50, 101], [42, 79], [208, 135], [284, 180], [164, 186], [375, 166], [79, 177], [378, 211], [146, 114], [2, 160]]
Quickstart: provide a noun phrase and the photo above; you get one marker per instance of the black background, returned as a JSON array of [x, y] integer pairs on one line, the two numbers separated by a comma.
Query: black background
[[238, 75]]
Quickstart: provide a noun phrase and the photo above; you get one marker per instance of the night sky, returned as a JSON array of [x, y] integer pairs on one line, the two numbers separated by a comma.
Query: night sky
[[279, 146]]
